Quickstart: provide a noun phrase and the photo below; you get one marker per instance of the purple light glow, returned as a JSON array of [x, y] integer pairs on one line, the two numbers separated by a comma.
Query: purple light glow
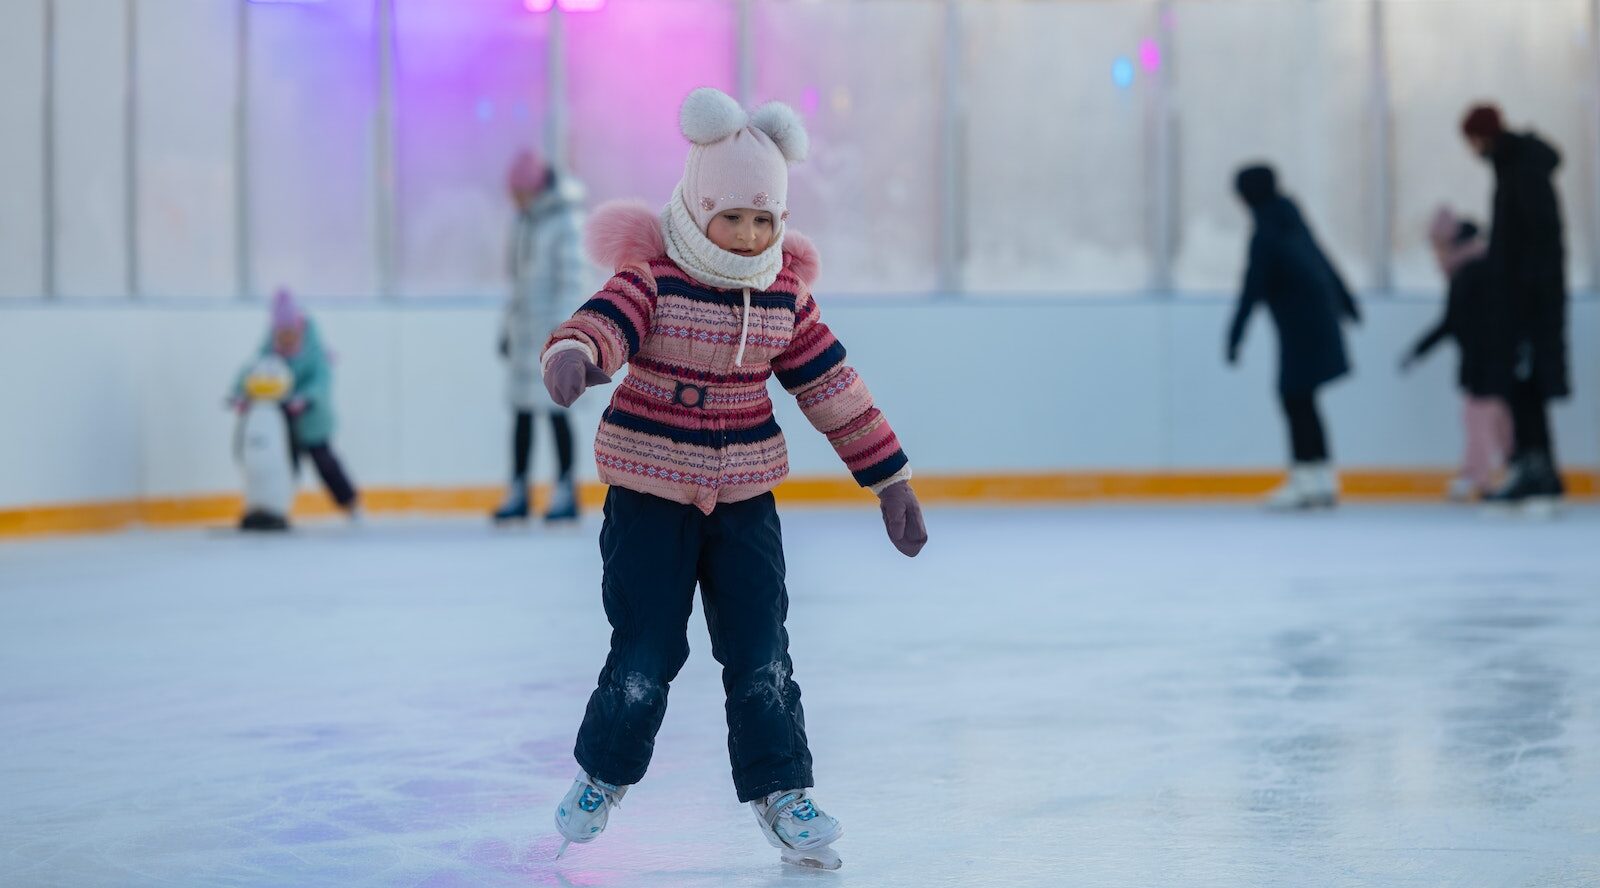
[[625, 139], [1150, 55]]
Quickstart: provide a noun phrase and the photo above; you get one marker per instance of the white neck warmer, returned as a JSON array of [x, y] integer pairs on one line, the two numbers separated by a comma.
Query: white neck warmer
[[688, 246]]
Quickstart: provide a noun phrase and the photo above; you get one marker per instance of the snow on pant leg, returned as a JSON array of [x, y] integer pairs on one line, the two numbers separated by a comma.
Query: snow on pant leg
[[1487, 426], [1307, 441], [746, 603], [332, 474], [521, 446], [649, 547]]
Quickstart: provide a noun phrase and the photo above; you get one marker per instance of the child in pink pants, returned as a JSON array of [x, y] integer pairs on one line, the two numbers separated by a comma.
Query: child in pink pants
[[1470, 320]]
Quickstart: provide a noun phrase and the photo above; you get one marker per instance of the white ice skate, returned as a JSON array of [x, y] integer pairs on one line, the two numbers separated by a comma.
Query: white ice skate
[[1328, 487], [582, 815], [1461, 489], [1309, 486], [798, 829]]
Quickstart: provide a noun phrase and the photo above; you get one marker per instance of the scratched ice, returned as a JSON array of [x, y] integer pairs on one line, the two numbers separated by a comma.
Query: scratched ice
[[1107, 696]]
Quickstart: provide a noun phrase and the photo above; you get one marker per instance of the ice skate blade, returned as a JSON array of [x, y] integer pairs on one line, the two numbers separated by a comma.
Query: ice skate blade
[[563, 849], [1541, 508], [1300, 507], [822, 858]]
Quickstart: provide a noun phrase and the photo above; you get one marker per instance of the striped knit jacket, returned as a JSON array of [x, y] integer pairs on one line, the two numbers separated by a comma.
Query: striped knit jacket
[[688, 425]]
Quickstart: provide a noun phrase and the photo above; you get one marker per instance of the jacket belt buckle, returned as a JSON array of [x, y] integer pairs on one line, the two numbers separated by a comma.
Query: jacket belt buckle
[[689, 395]]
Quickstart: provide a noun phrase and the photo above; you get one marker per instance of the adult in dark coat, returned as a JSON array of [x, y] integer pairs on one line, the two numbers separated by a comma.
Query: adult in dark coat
[[1527, 269], [1307, 300]]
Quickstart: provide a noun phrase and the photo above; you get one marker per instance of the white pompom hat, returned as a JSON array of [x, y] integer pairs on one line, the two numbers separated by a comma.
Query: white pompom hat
[[739, 158]]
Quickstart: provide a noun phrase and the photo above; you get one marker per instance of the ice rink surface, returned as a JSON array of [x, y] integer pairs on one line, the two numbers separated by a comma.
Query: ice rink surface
[[1099, 696]]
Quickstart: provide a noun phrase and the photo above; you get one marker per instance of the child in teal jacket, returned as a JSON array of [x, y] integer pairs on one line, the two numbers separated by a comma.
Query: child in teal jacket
[[294, 338]]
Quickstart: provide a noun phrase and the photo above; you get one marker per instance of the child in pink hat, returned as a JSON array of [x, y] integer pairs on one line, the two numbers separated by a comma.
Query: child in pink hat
[[296, 339], [1476, 322], [548, 278], [711, 297]]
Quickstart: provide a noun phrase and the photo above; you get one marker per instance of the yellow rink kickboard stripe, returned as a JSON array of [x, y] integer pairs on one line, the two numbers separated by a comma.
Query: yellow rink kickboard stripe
[[976, 489]]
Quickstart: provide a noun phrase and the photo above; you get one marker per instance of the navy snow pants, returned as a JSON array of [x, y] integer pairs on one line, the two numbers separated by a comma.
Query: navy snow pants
[[655, 552]]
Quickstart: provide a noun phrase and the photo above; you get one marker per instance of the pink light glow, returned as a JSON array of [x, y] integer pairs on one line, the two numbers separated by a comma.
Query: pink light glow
[[1150, 55], [810, 101], [566, 5]]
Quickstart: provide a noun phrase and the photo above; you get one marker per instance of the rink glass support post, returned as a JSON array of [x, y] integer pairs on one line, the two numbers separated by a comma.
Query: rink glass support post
[[1594, 144], [130, 147], [384, 154], [952, 203], [556, 120], [1381, 159], [47, 178], [744, 59], [1160, 133], [241, 154]]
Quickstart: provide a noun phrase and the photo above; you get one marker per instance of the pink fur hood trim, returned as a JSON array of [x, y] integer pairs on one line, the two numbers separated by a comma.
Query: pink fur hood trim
[[627, 234]]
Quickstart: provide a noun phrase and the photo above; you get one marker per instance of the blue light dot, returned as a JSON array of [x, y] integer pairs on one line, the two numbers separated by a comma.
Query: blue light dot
[[1122, 72]]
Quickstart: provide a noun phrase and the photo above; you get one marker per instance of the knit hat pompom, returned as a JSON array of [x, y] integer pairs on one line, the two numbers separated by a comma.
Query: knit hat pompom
[[738, 160], [784, 127], [710, 115]]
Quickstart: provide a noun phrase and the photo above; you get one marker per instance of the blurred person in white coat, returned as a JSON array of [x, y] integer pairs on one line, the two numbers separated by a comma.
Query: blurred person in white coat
[[549, 279]]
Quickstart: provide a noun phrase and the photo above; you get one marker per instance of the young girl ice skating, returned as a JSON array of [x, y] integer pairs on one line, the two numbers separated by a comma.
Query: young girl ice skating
[[710, 298], [1477, 322], [294, 337]]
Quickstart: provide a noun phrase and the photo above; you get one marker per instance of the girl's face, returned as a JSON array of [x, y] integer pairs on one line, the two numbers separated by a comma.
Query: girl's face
[[286, 340], [745, 232]]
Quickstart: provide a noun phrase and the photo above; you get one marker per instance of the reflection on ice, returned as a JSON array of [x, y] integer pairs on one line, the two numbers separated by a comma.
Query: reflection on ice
[[1107, 696]]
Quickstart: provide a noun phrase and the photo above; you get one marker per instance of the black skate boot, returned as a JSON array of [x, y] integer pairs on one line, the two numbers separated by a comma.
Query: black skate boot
[[563, 502], [515, 505], [1533, 487]]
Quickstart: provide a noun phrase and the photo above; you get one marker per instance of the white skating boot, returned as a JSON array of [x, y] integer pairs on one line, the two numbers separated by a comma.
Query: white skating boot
[[799, 829], [1461, 489], [582, 815], [1309, 486], [1327, 490]]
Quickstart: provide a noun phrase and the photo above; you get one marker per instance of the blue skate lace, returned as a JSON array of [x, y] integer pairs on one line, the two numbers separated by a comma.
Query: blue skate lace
[[591, 800], [803, 810]]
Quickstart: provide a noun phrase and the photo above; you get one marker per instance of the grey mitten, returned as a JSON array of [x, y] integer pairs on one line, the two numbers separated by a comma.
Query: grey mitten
[[902, 517], [569, 373]]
